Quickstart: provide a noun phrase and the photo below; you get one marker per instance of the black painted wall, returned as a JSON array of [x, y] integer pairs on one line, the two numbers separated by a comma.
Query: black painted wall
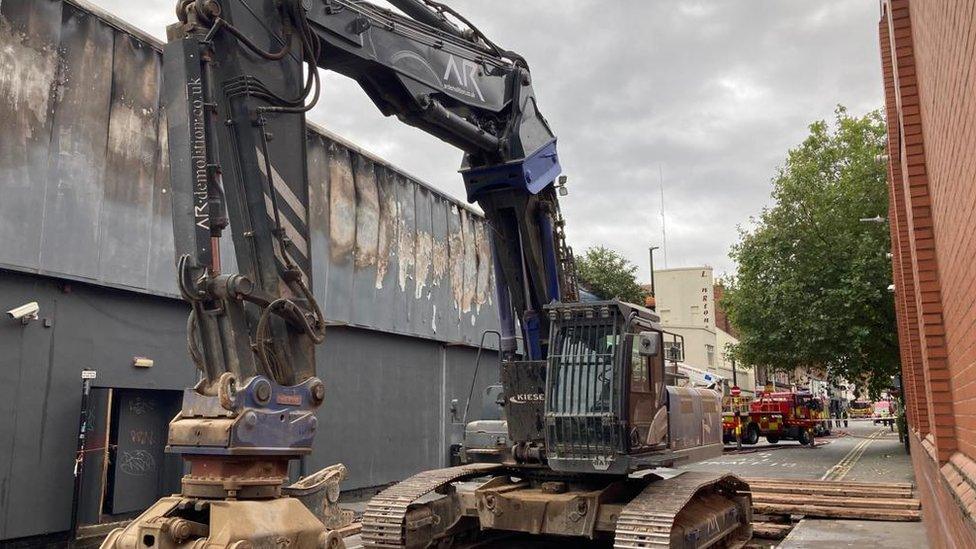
[[386, 415]]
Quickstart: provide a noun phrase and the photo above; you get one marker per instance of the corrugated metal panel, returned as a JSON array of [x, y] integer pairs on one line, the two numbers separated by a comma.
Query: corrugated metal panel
[[75, 190], [84, 180]]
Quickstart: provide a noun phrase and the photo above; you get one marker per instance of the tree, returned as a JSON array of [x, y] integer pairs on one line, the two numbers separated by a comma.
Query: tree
[[608, 274], [812, 283]]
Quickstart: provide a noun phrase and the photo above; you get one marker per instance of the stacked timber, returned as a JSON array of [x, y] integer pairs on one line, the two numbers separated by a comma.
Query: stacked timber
[[834, 499]]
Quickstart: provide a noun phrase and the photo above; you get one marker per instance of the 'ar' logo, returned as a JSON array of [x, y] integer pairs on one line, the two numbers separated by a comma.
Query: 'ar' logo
[[465, 75]]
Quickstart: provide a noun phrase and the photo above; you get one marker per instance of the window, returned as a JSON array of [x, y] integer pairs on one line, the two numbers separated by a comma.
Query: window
[[674, 351], [639, 380], [710, 354], [581, 369]]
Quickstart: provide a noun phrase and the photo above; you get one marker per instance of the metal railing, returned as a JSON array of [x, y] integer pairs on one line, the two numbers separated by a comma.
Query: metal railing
[[583, 405]]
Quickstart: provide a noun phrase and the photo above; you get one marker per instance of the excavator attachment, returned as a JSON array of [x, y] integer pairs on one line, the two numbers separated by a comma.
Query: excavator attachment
[[309, 517]]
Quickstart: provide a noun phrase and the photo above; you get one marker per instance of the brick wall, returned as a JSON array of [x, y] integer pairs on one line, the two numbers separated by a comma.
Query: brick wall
[[721, 318], [928, 52]]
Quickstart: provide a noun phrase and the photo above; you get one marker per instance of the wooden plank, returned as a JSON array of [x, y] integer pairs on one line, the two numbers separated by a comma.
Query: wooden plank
[[865, 503], [351, 530], [828, 491], [846, 484], [900, 515], [770, 530]]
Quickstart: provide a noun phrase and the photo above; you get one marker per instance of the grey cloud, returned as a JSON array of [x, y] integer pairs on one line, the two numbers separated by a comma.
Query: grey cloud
[[712, 92]]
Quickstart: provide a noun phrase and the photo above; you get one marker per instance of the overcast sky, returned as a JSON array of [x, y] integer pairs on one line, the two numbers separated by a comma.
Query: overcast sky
[[711, 94]]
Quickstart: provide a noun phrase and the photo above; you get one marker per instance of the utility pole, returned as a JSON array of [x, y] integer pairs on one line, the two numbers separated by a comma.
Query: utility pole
[[653, 289]]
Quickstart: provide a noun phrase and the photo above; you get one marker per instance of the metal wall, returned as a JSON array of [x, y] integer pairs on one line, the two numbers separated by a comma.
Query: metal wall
[[84, 181], [386, 414], [404, 272]]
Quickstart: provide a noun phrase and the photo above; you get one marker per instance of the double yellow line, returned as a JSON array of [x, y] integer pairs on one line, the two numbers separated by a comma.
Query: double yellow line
[[844, 466]]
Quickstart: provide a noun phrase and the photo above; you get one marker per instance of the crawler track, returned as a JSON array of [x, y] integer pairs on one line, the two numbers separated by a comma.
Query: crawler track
[[648, 520], [384, 522]]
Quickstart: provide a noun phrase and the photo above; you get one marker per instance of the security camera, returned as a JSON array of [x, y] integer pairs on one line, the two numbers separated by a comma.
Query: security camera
[[25, 313]]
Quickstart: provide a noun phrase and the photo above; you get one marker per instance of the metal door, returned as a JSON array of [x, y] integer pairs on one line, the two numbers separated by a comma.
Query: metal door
[[141, 470]]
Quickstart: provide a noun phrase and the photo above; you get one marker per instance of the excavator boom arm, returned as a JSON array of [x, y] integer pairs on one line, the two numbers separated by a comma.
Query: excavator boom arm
[[239, 77]]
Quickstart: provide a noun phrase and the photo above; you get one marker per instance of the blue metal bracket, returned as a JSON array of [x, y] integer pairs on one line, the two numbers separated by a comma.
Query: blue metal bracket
[[532, 174]]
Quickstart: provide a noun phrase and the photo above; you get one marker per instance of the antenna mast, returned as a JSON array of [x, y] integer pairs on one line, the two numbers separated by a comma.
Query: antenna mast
[[664, 225]]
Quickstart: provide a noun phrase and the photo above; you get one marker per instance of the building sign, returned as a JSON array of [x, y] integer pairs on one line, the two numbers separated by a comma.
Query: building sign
[[706, 287]]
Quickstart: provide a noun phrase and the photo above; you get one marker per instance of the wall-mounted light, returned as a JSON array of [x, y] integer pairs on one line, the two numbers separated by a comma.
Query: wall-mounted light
[[142, 362], [875, 219]]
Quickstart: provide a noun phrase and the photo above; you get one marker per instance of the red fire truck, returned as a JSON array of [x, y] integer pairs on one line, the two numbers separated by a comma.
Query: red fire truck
[[786, 415], [736, 420]]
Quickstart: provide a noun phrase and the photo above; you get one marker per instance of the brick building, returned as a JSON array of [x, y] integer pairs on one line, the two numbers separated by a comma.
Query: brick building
[[928, 51]]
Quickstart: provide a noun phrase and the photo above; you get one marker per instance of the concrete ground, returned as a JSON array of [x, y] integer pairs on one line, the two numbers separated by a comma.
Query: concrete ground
[[849, 455], [862, 452], [819, 533]]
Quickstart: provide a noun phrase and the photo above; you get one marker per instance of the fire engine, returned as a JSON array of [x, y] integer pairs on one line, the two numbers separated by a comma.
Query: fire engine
[[861, 409], [786, 415], [736, 420], [822, 413]]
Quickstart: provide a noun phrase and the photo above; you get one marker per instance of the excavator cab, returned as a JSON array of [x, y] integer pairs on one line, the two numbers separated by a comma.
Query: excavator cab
[[606, 395], [600, 402]]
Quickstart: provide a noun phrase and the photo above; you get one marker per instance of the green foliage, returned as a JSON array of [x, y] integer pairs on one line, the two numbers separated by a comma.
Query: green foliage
[[608, 274], [812, 282]]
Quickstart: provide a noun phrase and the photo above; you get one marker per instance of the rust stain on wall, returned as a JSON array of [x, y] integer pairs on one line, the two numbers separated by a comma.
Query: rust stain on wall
[[485, 267], [318, 188], [470, 261], [342, 204], [84, 150], [424, 248], [455, 256], [425, 254], [406, 231], [367, 214], [28, 70], [386, 239], [132, 125], [132, 131], [440, 261]]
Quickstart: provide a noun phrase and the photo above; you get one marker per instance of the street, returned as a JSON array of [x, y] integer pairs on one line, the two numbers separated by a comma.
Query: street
[[862, 452]]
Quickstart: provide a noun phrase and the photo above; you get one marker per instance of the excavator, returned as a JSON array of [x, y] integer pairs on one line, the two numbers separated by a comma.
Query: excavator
[[593, 428]]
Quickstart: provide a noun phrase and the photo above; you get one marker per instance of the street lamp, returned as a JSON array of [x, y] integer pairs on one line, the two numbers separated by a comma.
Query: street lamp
[[876, 219]]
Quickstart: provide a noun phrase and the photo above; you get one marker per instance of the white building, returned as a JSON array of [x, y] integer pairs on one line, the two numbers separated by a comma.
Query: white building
[[685, 300]]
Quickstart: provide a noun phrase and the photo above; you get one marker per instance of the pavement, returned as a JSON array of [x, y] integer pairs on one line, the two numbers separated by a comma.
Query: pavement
[[820, 533], [861, 452]]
